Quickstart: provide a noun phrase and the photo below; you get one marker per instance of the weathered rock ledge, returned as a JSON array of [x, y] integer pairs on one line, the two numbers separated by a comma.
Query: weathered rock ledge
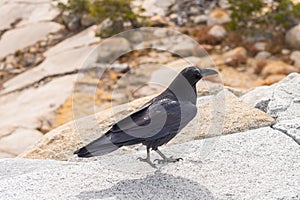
[[257, 164]]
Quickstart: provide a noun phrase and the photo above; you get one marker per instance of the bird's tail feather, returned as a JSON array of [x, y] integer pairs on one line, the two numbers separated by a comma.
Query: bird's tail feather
[[98, 147]]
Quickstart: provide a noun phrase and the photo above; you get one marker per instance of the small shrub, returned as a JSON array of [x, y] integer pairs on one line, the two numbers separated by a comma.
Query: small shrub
[[99, 10], [259, 14]]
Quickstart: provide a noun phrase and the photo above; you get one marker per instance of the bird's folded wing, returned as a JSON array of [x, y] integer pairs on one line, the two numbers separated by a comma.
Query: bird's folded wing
[[177, 120], [151, 122]]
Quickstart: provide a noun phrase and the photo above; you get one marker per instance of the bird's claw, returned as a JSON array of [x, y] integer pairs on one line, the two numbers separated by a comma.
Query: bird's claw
[[168, 160], [141, 159], [147, 160]]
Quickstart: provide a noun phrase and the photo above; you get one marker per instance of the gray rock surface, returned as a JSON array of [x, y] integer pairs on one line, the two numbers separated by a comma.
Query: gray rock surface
[[259, 96], [285, 107], [282, 101], [285, 102], [257, 164]]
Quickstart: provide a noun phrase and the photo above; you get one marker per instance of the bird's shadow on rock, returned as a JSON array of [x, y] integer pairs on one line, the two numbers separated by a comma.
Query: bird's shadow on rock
[[157, 186]]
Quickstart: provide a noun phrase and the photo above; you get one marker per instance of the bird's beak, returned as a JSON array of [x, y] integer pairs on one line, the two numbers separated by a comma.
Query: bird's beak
[[208, 72]]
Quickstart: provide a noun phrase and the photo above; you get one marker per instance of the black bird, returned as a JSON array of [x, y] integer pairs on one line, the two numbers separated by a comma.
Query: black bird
[[156, 122]]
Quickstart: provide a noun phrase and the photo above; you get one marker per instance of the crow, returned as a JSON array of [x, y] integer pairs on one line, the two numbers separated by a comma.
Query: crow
[[156, 122]]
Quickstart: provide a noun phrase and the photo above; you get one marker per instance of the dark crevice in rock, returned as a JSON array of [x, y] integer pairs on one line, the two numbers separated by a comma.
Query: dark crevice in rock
[[263, 105], [286, 133], [7, 134], [25, 59]]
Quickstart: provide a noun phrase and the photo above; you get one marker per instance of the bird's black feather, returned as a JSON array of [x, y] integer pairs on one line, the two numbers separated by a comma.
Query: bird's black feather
[[157, 121]]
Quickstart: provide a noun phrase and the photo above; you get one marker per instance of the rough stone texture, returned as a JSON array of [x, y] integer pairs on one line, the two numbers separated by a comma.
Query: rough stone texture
[[258, 96], [266, 93], [257, 164], [26, 36], [292, 37], [281, 101], [285, 101], [290, 127], [60, 143], [285, 107]]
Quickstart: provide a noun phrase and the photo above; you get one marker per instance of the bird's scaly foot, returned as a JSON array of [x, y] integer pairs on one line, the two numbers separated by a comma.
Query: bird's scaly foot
[[147, 160], [167, 160]]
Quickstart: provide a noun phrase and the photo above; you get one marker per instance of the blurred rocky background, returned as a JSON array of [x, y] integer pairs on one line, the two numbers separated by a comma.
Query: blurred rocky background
[[63, 81], [49, 74]]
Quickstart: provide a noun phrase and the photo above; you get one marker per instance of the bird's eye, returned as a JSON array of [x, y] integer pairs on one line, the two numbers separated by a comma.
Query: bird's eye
[[198, 76]]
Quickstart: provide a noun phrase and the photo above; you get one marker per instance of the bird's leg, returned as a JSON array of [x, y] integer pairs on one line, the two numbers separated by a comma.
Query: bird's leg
[[165, 158], [147, 159]]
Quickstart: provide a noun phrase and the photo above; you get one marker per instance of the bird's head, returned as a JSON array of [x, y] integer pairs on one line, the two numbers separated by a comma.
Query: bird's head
[[194, 74], [184, 85]]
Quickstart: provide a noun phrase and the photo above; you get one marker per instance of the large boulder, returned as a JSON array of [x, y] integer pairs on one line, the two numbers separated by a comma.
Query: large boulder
[[256, 164], [237, 116]]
